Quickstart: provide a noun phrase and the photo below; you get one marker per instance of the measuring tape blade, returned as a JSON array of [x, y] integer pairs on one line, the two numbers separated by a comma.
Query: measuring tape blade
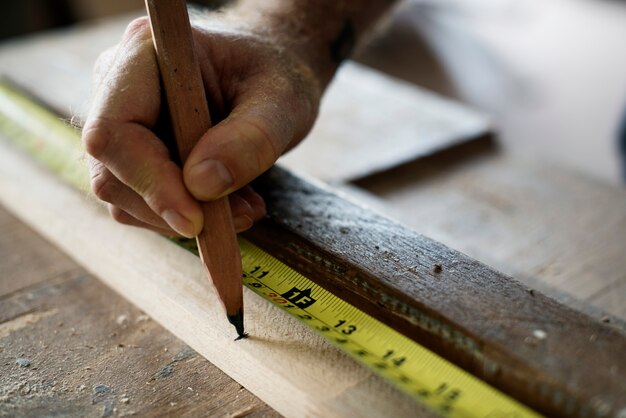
[[430, 379]]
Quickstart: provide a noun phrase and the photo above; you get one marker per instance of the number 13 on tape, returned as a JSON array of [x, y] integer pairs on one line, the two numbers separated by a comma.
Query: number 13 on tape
[[430, 379]]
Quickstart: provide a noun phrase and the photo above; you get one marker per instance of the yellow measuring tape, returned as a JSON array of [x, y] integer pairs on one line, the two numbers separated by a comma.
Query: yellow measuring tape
[[431, 380]]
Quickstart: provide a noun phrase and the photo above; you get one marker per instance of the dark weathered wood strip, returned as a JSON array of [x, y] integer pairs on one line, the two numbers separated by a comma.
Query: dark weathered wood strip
[[551, 357]]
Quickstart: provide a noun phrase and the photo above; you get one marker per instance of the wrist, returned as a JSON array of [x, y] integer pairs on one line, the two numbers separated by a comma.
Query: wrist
[[295, 36], [320, 33]]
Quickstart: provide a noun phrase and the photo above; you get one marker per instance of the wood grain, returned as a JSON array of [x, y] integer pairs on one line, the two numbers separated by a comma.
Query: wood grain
[[189, 113], [411, 122], [26, 267], [550, 227], [551, 357]]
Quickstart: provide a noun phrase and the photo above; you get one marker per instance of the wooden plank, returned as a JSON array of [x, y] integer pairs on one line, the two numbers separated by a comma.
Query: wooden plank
[[545, 225], [360, 109], [555, 359], [19, 268], [283, 363], [91, 352], [401, 122]]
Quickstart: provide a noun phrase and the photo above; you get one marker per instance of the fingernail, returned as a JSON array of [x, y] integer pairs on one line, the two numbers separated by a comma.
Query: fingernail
[[209, 179], [241, 223], [179, 223]]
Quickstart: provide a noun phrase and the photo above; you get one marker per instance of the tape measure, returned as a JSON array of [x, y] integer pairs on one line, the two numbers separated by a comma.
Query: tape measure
[[433, 381]]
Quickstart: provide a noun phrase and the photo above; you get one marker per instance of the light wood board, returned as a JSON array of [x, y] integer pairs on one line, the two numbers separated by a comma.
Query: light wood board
[[284, 364]]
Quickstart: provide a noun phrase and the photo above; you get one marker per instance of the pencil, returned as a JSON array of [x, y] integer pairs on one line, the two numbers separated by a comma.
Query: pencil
[[189, 113]]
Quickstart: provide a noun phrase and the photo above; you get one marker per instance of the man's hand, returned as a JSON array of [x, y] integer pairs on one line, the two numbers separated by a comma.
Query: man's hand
[[263, 100], [263, 81]]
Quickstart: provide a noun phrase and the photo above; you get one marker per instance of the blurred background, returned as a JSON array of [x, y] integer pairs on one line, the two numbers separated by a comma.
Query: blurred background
[[552, 73]]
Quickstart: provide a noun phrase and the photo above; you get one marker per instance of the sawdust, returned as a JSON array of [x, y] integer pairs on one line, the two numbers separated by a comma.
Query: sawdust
[[22, 362]]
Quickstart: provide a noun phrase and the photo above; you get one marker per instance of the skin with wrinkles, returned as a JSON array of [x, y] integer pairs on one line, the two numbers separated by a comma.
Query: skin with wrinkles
[[264, 68]]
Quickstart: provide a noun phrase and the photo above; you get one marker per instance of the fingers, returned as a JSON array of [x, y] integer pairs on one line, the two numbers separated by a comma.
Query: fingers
[[249, 140], [130, 207], [133, 169], [109, 189], [118, 135], [127, 219], [254, 200], [139, 160], [127, 79], [247, 207]]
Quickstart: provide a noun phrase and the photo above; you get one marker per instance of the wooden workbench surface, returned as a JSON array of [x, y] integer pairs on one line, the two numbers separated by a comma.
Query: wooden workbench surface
[[92, 353]]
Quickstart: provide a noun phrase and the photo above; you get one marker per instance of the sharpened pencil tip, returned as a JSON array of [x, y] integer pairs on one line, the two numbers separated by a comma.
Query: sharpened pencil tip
[[237, 321], [242, 336]]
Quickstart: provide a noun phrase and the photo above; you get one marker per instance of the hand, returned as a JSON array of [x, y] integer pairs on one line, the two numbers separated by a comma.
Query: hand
[[263, 101]]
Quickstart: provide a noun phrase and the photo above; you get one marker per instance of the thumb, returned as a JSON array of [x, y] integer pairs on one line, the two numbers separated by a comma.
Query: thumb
[[245, 144]]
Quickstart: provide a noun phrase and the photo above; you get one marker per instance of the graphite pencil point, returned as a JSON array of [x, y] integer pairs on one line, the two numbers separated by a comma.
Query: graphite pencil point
[[237, 321]]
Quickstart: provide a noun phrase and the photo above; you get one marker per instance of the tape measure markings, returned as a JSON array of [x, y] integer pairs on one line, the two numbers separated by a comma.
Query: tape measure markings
[[396, 358]]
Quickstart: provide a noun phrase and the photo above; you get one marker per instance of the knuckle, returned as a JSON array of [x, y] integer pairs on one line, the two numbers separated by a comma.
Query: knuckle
[[144, 183], [261, 140], [138, 27], [104, 186], [96, 139], [119, 215], [103, 63]]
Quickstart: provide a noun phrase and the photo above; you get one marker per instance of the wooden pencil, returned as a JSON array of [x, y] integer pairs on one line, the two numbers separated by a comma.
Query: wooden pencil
[[189, 113]]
